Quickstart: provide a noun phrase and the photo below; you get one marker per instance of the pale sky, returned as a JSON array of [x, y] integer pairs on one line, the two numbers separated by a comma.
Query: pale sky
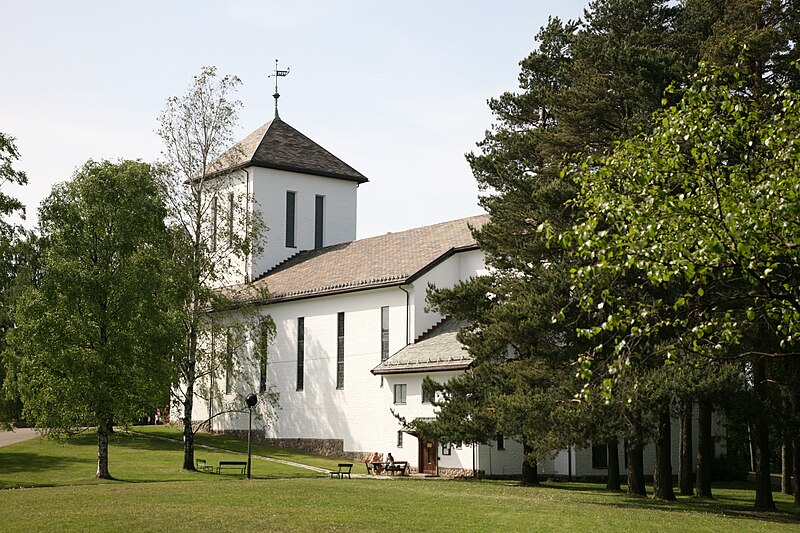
[[397, 90]]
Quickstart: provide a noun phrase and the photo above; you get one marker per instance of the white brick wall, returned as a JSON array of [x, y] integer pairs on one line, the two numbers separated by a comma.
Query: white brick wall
[[269, 188]]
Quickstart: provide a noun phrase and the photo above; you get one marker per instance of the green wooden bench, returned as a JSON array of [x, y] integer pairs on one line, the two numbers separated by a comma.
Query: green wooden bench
[[400, 467], [202, 465], [344, 470], [232, 465]]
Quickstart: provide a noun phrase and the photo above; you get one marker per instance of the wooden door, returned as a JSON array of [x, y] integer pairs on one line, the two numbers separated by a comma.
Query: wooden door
[[428, 457]]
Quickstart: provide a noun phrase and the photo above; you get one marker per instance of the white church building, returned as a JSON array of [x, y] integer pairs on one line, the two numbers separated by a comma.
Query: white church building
[[353, 339]]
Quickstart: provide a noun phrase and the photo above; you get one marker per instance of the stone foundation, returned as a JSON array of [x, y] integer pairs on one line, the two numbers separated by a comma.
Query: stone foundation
[[456, 472], [331, 447]]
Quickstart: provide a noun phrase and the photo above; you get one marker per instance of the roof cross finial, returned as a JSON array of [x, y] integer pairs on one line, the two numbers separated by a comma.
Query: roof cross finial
[[276, 75]]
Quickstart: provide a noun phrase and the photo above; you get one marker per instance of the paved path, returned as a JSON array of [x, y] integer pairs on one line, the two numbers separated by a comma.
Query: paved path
[[262, 457], [18, 435], [204, 446]]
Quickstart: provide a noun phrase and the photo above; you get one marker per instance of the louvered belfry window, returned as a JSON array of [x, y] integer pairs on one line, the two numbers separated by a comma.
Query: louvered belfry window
[[290, 217], [319, 219]]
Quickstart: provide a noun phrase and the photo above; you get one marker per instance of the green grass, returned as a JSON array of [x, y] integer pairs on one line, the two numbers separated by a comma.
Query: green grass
[[153, 494], [132, 458], [230, 443]]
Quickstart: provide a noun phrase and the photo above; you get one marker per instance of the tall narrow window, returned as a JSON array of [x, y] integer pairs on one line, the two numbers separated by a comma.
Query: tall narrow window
[[384, 333], [501, 442], [264, 335], [340, 352], [230, 219], [290, 203], [214, 224], [319, 219], [399, 439], [228, 361], [301, 349]]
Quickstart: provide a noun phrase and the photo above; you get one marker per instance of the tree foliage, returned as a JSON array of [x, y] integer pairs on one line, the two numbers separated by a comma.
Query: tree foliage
[[709, 199], [12, 265], [94, 341], [216, 234], [587, 84]]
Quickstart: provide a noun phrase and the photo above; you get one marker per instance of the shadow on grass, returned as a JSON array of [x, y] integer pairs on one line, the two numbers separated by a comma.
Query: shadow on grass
[[148, 443], [14, 463], [729, 505]]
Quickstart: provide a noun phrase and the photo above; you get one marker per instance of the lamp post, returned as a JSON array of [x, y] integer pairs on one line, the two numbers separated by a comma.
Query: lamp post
[[251, 401]]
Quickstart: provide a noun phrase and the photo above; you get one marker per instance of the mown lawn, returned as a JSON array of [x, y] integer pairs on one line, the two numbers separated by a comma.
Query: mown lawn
[[152, 494], [132, 458], [230, 443]]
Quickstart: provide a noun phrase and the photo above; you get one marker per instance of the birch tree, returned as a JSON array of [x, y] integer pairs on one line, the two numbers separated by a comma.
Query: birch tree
[[215, 232], [94, 341]]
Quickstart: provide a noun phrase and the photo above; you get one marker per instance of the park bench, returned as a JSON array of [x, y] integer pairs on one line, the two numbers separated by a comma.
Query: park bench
[[400, 467], [232, 465], [344, 470], [202, 465]]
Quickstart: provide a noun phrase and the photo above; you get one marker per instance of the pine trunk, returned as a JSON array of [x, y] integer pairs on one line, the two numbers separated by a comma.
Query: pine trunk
[[530, 472], [786, 464], [635, 469], [613, 480], [705, 449], [685, 481], [662, 470], [796, 452], [764, 501], [102, 451], [796, 470]]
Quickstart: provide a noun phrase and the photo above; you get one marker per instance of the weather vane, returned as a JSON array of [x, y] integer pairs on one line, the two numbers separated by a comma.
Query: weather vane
[[278, 73]]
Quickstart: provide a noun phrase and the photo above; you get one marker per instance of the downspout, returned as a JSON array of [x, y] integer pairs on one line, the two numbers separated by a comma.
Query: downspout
[[408, 314]]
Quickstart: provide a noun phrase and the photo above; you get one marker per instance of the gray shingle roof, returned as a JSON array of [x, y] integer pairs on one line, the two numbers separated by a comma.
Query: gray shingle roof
[[278, 145], [387, 260], [437, 351]]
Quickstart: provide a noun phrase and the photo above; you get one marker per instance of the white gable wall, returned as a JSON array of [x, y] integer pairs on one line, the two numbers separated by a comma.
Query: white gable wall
[[269, 187], [460, 266]]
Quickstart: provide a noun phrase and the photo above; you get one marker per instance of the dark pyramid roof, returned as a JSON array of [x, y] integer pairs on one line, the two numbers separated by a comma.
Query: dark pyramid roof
[[278, 145]]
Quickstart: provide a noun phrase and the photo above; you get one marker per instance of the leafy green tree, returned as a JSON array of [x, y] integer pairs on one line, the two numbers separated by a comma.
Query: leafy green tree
[[10, 405], [22, 265], [588, 84], [197, 129], [709, 198], [94, 341]]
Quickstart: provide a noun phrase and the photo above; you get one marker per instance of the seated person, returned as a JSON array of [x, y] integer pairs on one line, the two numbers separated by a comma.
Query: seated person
[[389, 462], [375, 463]]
